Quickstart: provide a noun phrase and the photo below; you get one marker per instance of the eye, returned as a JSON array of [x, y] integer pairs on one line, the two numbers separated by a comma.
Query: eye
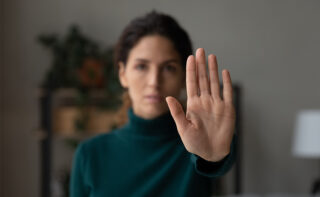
[[170, 68], [140, 67]]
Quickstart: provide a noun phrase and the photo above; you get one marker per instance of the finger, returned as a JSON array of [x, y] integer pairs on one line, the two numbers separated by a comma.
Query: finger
[[202, 74], [214, 76], [227, 86], [191, 79], [177, 113]]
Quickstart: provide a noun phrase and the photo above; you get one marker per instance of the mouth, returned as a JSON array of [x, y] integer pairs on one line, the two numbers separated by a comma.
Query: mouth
[[154, 98]]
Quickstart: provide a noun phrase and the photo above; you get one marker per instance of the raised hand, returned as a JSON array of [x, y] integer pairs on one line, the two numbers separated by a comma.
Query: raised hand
[[206, 129]]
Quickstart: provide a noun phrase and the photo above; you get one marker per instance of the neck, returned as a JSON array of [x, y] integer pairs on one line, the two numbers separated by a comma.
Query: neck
[[158, 127]]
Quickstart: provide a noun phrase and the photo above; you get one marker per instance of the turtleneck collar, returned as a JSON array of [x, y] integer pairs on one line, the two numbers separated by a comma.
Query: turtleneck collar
[[161, 126]]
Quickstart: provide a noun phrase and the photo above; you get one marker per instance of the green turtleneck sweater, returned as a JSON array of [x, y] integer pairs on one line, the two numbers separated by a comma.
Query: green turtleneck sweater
[[143, 158]]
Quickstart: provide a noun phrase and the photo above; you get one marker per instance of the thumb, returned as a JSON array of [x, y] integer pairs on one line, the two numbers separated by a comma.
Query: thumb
[[177, 113]]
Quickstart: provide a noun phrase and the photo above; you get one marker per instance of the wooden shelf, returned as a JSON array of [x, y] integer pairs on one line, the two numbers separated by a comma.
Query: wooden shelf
[[75, 136]]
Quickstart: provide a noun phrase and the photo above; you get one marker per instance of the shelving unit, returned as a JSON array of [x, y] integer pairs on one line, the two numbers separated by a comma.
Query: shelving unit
[[51, 141]]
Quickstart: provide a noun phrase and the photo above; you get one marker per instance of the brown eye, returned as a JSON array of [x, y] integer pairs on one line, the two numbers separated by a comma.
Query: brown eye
[[141, 67], [170, 68]]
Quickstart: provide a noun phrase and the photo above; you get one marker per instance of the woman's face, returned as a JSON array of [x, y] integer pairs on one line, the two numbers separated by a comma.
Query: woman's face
[[153, 71]]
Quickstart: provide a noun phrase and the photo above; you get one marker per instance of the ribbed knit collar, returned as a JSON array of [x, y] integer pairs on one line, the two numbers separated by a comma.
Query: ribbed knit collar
[[159, 127]]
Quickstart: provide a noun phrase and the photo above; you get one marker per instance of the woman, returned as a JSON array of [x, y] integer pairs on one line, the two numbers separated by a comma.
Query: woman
[[161, 151]]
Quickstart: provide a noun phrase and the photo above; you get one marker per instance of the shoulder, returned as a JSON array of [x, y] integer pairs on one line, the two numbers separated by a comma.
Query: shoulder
[[98, 142]]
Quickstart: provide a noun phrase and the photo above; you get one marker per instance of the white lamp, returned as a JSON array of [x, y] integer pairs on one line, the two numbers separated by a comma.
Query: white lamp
[[307, 134], [306, 141]]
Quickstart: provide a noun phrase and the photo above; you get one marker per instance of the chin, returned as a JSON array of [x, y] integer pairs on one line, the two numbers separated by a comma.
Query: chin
[[154, 112]]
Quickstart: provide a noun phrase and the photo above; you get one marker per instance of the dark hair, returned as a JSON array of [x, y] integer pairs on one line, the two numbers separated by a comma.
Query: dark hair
[[153, 23]]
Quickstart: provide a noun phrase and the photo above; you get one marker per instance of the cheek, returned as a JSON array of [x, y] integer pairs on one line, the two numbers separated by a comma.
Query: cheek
[[175, 85], [133, 74], [135, 86]]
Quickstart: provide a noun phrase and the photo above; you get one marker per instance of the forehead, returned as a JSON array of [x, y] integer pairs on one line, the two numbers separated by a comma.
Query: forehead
[[154, 48]]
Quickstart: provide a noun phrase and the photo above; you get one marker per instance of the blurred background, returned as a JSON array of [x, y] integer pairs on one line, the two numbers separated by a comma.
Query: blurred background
[[270, 47]]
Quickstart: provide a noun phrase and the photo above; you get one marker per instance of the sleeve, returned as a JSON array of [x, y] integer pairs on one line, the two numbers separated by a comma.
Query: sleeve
[[215, 169], [78, 186]]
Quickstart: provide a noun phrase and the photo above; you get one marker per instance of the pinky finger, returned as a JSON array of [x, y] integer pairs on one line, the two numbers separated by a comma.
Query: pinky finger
[[227, 86]]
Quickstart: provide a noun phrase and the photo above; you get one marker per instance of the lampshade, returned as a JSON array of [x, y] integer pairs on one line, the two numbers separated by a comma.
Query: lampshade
[[306, 141]]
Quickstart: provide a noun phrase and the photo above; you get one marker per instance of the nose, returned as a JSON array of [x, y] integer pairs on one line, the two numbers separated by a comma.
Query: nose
[[154, 78]]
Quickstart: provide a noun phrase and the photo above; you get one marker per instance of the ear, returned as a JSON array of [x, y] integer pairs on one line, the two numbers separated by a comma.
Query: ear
[[122, 75]]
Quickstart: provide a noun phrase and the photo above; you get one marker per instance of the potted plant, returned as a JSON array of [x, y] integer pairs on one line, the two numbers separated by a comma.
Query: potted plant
[[83, 77]]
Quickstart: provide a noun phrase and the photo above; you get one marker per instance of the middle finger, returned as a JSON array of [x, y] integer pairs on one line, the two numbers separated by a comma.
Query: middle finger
[[202, 72]]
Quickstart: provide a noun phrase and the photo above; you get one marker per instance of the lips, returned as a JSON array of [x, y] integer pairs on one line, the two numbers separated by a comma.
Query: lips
[[154, 98]]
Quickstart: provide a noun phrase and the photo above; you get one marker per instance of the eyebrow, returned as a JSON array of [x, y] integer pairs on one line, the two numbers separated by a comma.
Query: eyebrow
[[165, 62]]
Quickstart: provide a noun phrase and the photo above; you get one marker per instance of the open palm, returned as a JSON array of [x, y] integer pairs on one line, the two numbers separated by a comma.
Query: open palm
[[206, 129]]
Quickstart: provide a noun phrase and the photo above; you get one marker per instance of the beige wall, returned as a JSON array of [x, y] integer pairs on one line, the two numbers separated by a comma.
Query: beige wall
[[271, 48]]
